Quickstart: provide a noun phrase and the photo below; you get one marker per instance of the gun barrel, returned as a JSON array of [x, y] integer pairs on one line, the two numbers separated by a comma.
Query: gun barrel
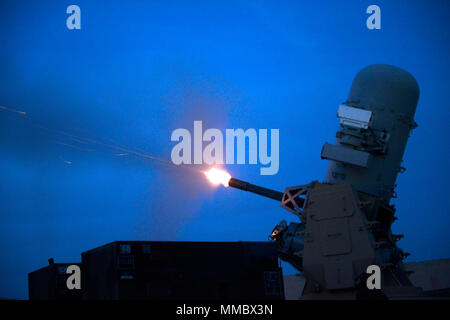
[[268, 193]]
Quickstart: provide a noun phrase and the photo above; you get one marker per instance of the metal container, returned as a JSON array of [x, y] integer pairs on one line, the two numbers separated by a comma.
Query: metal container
[[49, 283], [124, 270]]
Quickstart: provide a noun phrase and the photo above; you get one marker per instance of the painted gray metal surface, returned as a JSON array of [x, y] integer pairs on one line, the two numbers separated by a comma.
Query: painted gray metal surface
[[391, 94], [346, 221]]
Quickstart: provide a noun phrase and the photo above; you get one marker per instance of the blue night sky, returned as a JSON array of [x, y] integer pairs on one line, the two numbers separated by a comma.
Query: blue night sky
[[137, 70]]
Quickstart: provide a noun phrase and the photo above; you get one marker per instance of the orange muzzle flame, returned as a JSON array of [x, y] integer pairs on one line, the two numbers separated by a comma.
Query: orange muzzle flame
[[218, 176]]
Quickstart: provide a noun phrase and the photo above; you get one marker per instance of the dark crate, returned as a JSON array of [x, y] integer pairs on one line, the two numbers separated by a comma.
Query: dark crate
[[124, 270], [49, 283]]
